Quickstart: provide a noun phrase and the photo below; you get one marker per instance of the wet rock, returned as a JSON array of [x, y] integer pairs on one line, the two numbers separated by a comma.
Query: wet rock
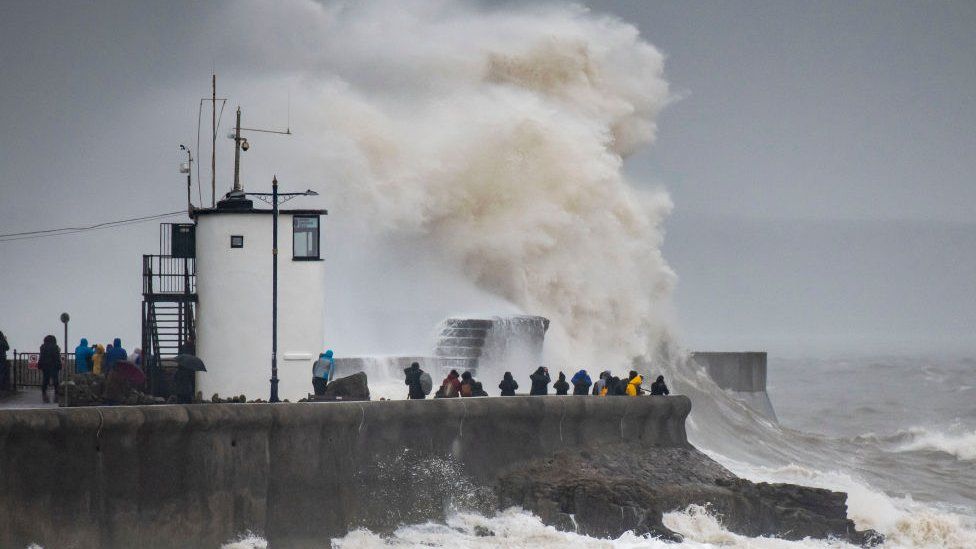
[[352, 387], [625, 488]]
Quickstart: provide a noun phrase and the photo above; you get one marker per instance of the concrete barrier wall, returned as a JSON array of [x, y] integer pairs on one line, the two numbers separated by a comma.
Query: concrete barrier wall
[[298, 474], [741, 374], [736, 371]]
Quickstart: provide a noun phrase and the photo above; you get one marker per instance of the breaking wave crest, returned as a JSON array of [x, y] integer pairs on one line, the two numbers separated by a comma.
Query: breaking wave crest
[[904, 522], [960, 445]]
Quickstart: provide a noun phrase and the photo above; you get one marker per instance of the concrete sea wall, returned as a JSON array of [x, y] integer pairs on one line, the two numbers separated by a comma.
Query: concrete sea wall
[[743, 374], [197, 476]]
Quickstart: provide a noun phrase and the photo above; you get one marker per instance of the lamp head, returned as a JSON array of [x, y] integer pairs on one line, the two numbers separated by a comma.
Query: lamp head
[[310, 192]]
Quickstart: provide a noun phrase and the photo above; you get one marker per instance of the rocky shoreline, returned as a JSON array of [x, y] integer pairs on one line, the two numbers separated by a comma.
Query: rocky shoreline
[[623, 487]]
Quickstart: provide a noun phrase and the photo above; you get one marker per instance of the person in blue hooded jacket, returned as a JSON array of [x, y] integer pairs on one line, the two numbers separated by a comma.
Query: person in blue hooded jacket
[[581, 383], [113, 355], [322, 372], [84, 357]]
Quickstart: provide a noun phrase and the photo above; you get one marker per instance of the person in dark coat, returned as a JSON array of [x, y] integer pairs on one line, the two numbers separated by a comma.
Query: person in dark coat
[[581, 383], [451, 387], [601, 384], [412, 374], [508, 385], [467, 384], [621, 389], [4, 365], [561, 385], [659, 388], [113, 355], [188, 347], [184, 381], [49, 363], [540, 382], [477, 390]]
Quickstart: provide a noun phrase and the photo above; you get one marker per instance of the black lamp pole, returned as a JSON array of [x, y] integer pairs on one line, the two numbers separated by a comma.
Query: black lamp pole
[[274, 291], [276, 198]]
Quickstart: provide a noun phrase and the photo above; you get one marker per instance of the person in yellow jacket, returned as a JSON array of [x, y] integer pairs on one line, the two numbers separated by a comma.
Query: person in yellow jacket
[[97, 359], [634, 385]]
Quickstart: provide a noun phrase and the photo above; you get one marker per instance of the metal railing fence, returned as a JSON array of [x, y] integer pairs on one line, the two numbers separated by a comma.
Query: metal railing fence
[[25, 373]]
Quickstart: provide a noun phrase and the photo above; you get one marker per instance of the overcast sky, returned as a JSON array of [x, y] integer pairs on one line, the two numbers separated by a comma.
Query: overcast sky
[[820, 157]]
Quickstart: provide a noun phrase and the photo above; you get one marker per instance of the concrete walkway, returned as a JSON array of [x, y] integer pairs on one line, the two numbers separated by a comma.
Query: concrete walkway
[[26, 398]]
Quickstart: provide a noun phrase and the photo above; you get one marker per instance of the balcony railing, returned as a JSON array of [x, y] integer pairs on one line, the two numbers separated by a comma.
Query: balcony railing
[[163, 274]]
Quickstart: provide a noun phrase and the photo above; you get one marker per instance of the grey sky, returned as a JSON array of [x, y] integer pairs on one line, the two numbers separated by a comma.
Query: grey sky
[[820, 160]]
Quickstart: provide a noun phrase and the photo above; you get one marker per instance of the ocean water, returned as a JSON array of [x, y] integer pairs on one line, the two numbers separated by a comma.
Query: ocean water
[[897, 434]]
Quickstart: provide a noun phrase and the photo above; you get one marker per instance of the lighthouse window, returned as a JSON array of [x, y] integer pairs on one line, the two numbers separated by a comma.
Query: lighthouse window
[[236, 241], [305, 242]]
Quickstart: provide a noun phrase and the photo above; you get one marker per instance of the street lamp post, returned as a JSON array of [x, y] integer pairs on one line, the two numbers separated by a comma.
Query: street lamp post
[[275, 198], [64, 319]]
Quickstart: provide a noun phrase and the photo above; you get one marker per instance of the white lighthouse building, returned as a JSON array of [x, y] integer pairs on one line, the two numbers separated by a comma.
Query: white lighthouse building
[[220, 282], [234, 293]]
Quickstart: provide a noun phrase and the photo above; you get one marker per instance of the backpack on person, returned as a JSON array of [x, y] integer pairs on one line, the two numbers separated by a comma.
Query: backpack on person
[[426, 383]]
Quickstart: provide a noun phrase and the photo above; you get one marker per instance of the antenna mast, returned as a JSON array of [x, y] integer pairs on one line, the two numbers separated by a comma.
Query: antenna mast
[[213, 145], [237, 152]]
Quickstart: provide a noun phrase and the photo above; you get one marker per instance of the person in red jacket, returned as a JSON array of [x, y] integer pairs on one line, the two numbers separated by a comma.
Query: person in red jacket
[[451, 387]]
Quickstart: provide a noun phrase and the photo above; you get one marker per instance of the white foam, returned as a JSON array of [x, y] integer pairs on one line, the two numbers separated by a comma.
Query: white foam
[[510, 528], [698, 524], [515, 527], [904, 522], [961, 445]]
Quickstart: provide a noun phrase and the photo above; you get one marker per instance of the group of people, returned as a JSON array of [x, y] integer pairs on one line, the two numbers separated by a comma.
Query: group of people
[[100, 360], [464, 385], [97, 359]]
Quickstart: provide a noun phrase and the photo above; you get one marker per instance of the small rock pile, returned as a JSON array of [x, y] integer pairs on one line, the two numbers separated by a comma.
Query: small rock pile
[[239, 399], [95, 390]]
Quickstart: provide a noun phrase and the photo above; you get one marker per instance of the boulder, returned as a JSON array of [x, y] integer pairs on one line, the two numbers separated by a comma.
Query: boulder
[[352, 387]]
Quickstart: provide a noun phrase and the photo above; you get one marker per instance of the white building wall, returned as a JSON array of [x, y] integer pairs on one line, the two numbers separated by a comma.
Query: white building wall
[[234, 312]]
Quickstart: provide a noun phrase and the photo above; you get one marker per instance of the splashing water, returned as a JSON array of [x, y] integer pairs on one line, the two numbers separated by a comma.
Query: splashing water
[[492, 151], [502, 154]]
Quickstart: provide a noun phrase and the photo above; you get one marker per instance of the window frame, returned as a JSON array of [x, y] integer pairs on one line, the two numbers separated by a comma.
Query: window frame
[[318, 237], [232, 237]]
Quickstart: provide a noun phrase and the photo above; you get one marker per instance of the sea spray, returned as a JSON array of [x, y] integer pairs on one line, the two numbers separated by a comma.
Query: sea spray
[[502, 153]]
